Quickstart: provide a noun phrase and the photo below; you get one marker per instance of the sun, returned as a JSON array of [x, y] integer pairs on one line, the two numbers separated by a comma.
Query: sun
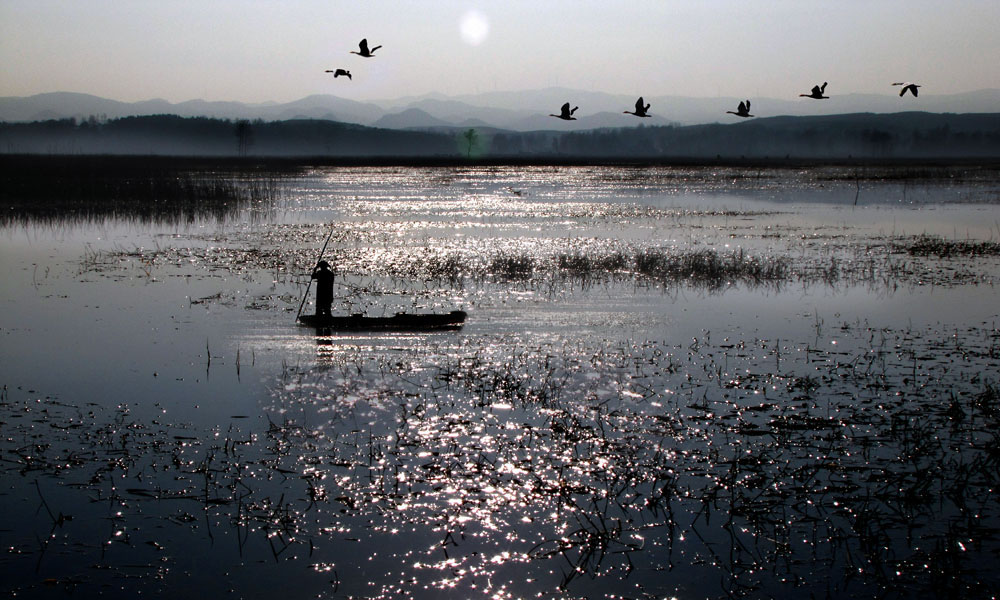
[[474, 27]]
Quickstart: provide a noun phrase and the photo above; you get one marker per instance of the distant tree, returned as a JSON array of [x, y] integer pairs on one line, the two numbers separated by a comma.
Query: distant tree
[[879, 141], [470, 136], [244, 135]]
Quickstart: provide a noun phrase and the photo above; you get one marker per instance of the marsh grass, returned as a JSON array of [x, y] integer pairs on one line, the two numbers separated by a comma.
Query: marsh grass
[[554, 265], [94, 189], [926, 245], [579, 264], [511, 266], [710, 267], [951, 173]]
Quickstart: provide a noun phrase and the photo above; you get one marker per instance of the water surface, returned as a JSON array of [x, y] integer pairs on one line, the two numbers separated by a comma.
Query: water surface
[[816, 416]]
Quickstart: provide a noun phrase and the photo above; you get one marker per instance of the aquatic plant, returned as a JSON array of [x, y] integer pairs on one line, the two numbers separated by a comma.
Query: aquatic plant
[[584, 265], [925, 245], [709, 267], [580, 467], [92, 189], [511, 266]]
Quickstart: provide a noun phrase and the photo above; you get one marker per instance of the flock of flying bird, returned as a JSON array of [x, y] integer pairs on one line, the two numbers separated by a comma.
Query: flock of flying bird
[[641, 109], [362, 51]]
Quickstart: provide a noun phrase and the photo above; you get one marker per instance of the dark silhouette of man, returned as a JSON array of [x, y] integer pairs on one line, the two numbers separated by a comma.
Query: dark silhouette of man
[[324, 287]]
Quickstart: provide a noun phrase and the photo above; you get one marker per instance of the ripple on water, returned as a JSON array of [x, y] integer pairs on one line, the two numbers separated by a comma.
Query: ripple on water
[[593, 427]]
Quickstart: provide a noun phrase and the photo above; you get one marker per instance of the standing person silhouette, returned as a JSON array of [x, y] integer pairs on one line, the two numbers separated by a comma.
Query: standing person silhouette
[[324, 287]]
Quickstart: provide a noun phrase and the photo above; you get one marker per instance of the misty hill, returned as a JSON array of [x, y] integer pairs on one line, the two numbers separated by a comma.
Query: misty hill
[[859, 135], [690, 111], [899, 135], [518, 111], [410, 118], [527, 110], [321, 106], [67, 105]]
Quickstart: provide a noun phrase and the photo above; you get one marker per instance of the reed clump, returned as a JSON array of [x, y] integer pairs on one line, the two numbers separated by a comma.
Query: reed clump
[[512, 266], [85, 189], [927, 245], [710, 267], [585, 265], [701, 267], [449, 268]]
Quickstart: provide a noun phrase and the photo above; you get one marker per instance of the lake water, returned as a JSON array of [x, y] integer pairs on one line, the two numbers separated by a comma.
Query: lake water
[[673, 382]]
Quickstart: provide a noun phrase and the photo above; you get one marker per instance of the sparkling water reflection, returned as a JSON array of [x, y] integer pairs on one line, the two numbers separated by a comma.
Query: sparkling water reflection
[[673, 382]]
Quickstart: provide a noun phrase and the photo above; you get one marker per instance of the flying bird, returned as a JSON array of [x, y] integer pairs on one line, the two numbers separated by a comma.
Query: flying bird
[[817, 92], [640, 110], [907, 86], [743, 110], [340, 72], [566, 114], [364, 51]]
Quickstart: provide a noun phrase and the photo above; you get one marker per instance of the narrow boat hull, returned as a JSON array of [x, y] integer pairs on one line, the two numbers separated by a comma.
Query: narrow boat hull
[[398, 322]]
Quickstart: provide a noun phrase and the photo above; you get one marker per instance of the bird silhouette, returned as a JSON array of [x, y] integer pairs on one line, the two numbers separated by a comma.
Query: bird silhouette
[[340, 72], [817, 92], [907, 86], [743, 110], [566, 114], [640, 110], [364, 51]]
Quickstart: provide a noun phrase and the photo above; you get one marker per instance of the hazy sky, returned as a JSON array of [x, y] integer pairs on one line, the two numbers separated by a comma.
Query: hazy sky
[[254, 51]]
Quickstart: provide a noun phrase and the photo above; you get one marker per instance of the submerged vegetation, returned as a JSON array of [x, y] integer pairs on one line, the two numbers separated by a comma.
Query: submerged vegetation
[[764, 467]]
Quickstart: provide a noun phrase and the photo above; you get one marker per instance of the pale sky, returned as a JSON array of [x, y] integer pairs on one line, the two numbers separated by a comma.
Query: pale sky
[[260, 50]]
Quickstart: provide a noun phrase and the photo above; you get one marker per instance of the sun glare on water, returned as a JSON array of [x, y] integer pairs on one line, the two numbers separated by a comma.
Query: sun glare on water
[[475, 28]]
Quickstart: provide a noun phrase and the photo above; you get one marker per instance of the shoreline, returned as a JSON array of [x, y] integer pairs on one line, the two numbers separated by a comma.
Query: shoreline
[[15, 161]]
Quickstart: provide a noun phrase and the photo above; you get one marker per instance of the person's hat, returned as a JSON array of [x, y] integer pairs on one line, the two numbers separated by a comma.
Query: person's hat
[[323, 263]]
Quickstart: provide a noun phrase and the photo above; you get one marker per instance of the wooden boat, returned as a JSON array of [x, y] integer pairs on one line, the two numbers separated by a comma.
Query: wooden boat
[[397, 322]]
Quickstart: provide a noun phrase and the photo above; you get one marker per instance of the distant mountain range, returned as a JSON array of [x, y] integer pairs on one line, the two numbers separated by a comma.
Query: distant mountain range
[[512, 111]]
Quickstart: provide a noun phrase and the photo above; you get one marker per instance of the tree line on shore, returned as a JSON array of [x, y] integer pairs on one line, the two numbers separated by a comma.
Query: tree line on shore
[[899, 135]]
